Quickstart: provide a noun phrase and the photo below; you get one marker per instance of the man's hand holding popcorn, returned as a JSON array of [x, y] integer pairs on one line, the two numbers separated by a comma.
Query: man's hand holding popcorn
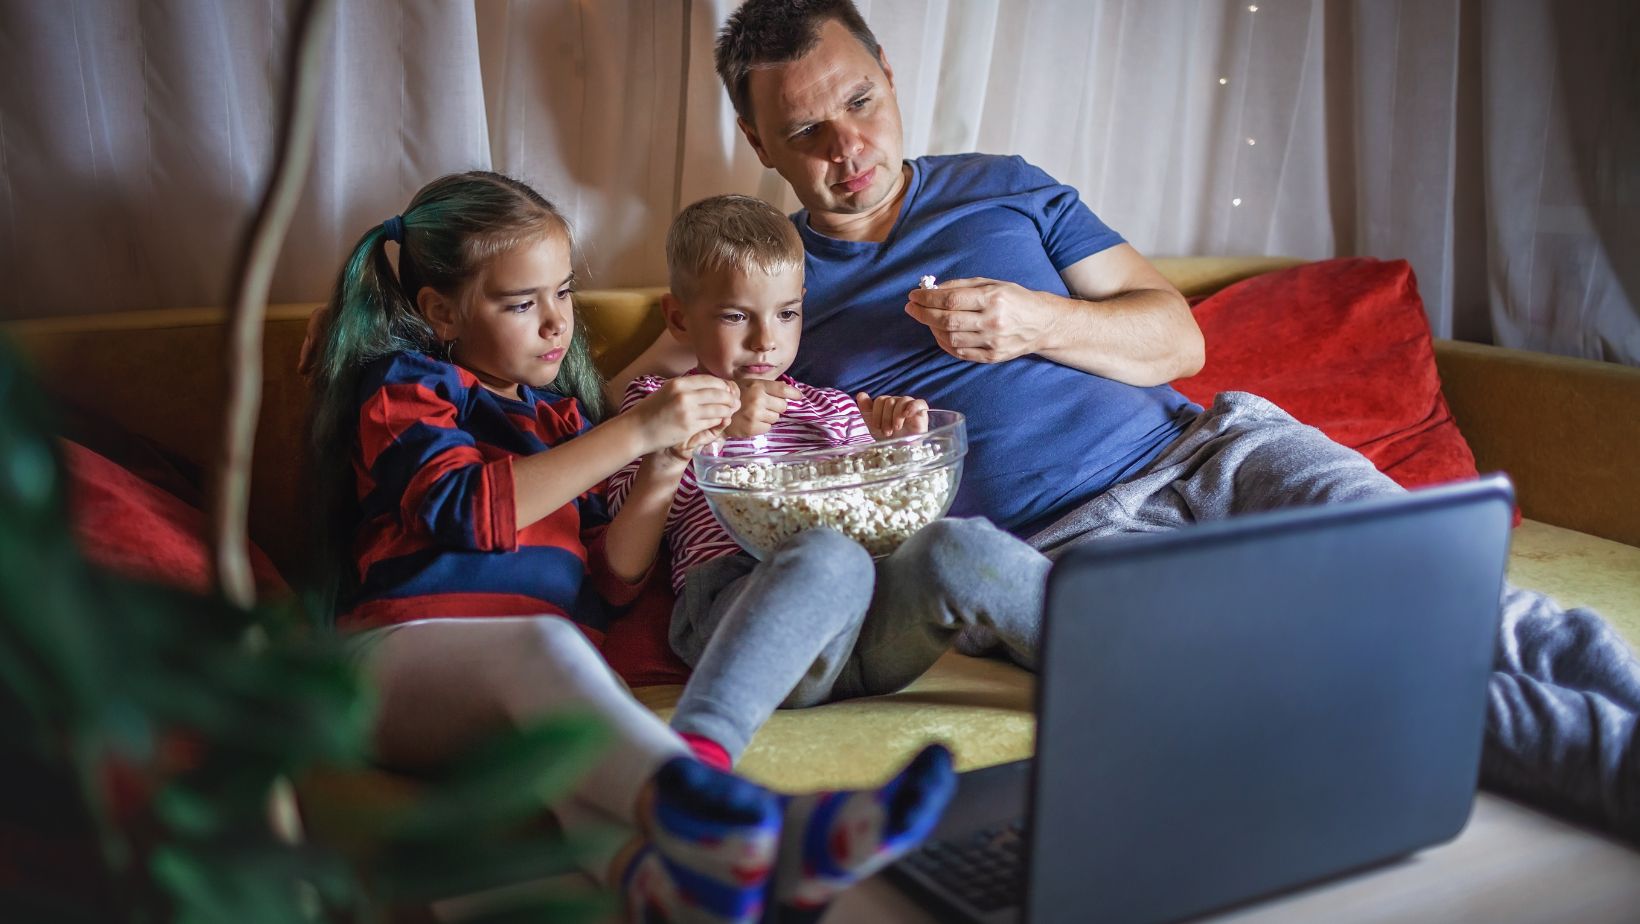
[[984, 320]]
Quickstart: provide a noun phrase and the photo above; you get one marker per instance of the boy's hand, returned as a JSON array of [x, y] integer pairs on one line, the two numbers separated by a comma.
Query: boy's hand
[[685, 407], [891, 415], [762, 401]]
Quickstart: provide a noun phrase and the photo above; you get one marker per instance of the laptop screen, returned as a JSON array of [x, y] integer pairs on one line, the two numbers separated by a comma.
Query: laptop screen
[[1236, 708]]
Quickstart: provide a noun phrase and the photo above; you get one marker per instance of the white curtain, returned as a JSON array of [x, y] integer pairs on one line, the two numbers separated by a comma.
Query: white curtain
[[1493, 143]]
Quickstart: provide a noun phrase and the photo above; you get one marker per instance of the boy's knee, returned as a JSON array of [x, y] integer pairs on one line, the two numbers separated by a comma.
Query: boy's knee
[[967, 544], [825, 553]]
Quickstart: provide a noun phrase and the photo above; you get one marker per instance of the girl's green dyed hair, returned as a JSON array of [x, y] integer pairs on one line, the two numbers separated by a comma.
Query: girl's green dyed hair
[[454, 227]]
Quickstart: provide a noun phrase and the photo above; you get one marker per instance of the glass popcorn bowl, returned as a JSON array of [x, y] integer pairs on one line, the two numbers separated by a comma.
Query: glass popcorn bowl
[[875, 493]]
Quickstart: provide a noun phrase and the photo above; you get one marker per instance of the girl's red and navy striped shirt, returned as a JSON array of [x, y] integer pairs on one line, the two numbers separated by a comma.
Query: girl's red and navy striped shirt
[[437, 535]]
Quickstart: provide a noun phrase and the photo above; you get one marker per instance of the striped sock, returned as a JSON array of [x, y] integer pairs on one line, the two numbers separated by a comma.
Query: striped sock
[[832, 840], [712, 843]]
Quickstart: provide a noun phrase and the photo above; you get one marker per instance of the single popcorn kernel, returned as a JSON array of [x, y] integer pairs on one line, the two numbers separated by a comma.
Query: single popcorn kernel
[[927, 282]]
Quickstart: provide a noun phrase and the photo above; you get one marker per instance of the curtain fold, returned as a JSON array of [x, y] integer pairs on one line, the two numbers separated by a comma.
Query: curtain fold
[[1495, 144]]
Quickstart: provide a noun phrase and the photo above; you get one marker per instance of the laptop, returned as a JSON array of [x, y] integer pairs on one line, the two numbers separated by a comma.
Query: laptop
[[1235, 709]]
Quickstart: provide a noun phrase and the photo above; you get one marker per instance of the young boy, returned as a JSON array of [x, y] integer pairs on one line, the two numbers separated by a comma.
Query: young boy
[[817, 620]]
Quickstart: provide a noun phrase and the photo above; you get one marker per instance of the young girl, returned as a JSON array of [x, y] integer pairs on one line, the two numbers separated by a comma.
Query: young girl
[[458, 458]]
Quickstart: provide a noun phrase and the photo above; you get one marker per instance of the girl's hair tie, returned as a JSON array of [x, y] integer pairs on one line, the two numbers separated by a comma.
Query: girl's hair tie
[[394, 229]]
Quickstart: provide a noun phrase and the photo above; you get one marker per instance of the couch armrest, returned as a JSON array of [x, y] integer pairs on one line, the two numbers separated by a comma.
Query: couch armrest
[[1566, 430]]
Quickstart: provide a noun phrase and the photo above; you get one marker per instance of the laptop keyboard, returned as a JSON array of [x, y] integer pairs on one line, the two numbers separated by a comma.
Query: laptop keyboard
[[983, 870]]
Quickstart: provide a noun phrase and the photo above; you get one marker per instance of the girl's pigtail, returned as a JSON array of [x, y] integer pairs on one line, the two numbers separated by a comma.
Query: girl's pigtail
[[369, 317]]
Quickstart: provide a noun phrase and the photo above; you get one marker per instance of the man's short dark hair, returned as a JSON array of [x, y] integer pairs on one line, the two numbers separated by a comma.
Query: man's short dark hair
[[766, 32]]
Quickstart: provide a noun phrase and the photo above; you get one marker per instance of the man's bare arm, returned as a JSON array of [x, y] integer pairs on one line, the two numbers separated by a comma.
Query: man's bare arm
[[1131, 324], [666, 357], [1123, 321]]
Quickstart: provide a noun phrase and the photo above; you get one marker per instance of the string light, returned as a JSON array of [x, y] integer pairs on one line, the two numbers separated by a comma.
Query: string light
[[1223, 81]]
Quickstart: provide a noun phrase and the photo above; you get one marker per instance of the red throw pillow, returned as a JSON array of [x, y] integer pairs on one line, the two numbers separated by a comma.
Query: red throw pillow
[[137, 529], [1343, 345]]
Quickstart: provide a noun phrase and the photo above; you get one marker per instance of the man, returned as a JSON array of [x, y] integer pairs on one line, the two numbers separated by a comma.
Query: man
[[1039, 320], [1056, 342]]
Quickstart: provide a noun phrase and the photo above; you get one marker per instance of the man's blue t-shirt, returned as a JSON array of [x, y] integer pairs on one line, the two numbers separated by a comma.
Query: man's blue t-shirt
[[1043, 438]]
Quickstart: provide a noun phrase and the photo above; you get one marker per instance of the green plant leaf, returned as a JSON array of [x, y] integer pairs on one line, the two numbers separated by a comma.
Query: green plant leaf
[[516, 775], [36, 908], [558, 908], [430, 871], [201, 706]]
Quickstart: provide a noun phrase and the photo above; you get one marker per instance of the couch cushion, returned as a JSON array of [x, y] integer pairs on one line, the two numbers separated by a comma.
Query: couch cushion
[[137, 529], [1578, 569], [160, 375], [982, 708], [1342, 345], [620, 324], [1197, 276], [1556, 425]]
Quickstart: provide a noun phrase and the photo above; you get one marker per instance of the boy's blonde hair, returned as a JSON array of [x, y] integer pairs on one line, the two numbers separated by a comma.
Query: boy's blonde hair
[[742, 233]]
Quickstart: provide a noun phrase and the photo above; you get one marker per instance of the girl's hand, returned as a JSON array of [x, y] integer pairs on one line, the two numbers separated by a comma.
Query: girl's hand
[[761, 404], [683, 408], [686, 450], [891, 416]]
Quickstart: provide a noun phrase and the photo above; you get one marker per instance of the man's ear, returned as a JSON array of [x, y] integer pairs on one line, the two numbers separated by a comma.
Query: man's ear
[[756, 142], [440, 313], [676, 323]]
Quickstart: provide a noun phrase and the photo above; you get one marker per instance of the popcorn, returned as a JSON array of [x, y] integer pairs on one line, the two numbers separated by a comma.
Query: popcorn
[[878, 496], [927, 282]]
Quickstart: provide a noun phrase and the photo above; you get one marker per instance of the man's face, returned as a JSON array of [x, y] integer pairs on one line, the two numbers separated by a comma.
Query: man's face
[[829, 124], [741, 325]]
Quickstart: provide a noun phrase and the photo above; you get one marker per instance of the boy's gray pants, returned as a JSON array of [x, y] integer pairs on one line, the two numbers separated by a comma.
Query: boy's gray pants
[[1563, 700], [818, 620]]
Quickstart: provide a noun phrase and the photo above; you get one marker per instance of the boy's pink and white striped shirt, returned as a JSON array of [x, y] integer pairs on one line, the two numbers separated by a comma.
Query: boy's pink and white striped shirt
[[821, 418]]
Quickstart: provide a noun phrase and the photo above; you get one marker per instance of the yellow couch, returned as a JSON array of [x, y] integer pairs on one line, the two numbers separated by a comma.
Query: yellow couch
[[1565, 429]]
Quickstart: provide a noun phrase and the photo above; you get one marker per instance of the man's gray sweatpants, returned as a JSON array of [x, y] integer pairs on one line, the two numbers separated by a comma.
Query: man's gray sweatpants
[[1565, 692]]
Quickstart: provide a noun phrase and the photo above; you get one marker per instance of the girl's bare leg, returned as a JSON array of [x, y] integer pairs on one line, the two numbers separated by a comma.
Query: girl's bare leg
[[446, 684]]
